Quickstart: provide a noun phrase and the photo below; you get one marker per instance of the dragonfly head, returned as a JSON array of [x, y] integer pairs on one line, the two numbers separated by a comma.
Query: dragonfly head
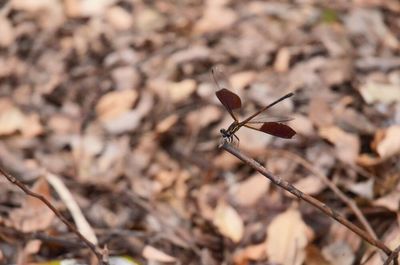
[[224, 133]]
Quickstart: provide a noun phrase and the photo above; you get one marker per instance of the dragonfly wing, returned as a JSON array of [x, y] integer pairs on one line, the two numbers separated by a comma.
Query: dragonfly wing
[[265, 117], [228, 98], [274, 128]]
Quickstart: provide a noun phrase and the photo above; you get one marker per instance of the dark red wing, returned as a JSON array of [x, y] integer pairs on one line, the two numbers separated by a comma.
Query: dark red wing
[[275, 129], [229, 99]]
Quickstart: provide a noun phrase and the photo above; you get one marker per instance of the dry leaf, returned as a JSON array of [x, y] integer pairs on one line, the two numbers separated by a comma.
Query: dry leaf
[[228, 221], [390, 201], [152, 253], [302, 125], [215, 18], [242, 79], [6, 32], [252, 252], [180, 91], [364, 189], [389, 145], [310, 185], [282, 60], [287, 238], [376, 92], [119, 18], [34, 214], [11, 118], [248, 192], [347, 145], [166, 124], [115, 103], [339, 253], [314, 256]]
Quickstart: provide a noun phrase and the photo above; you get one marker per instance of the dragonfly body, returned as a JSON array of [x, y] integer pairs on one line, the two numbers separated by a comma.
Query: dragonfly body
[[232, 101]]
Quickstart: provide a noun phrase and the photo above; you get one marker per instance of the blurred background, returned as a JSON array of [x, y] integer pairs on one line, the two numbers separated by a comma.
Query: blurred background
[[109, 106]]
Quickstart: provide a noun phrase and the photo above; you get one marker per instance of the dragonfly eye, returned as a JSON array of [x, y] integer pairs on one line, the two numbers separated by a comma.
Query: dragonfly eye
[[222, 131]]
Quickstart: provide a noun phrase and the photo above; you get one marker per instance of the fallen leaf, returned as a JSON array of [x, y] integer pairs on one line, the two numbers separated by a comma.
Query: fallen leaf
[[119, 18], [242, 79], [179, 91], [125, 77], [249, 191], [215, 18], [203, 117], [228, 221], [34, 215], [287, 238], [389, 144], [310, 185], [147, 20], [115, 103], [252, 252], [339, 253], [7, 32], [166, 124], [282, 60], [364, 189], [390, 201], [314, 256], [347, 145], [11, 118], [377, 92], [151, 253]]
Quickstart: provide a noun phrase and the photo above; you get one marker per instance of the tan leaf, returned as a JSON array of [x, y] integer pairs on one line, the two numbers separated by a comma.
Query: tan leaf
[[310, 185], [179, 91], [115, 103], [282, 60], [389, 145], [166, 124], [248, 192], [7, 32], [34, 214], [252, 252], [242, 79], [119, 18], [339, 253], [390, 201], [377, 92], [228, 221], [287, 237], [215, 18], [347, 145], [152, 253], [11, 118]]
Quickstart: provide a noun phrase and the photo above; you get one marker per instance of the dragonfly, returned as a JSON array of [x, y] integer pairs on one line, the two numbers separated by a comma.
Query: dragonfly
[[231, 101]]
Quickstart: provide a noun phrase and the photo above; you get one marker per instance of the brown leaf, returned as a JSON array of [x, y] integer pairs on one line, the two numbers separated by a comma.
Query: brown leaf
[[151, 253], [287, 237], [248, 192], [347, 145], [119, 18], [179, 91], [11, 118], [34, 214], [115, 103], [282, 60], [339, 253], [215, 18], [252, 252], [389, 143], [377, 92], [228, 221]]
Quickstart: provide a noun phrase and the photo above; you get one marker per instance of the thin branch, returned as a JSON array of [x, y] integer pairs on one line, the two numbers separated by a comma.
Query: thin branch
[[314, 202], [91, 246], [350, 203], [393, 257]]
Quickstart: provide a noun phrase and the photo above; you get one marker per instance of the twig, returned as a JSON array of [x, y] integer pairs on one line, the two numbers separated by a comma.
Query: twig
[[90, 245], [314, 202], [350, 203], [393, 257]]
